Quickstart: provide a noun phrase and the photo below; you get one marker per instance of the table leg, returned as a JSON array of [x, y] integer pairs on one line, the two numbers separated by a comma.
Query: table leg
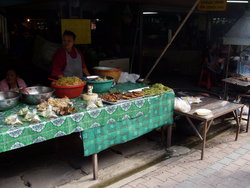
[[248, 118], [163, 135], [241, 112], [237, 124], [169, 135], [95, 166], [204, 140]]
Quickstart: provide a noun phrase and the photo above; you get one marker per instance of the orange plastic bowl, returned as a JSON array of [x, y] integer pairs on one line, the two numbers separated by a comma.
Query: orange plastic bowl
[[68, 91]]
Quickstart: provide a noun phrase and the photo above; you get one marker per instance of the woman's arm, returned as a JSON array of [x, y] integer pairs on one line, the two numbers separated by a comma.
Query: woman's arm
[[85, 71]]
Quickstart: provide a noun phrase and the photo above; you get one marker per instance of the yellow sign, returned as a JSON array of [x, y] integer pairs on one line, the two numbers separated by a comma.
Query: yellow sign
[[81, 27], [212, 5]]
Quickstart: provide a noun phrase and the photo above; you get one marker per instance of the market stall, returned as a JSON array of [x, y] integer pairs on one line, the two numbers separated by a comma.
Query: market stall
[[100, 128]]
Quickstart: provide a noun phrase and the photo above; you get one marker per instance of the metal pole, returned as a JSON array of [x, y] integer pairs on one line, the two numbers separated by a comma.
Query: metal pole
[[135, 42], [140, 41], [173, 38], [227, 67]]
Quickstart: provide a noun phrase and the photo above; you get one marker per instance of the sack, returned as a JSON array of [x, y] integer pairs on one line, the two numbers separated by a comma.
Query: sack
[[181, 105]]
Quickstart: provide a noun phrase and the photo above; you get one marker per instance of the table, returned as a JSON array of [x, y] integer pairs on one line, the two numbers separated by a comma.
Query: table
[[100, 128], [236, 81], [218, 108]]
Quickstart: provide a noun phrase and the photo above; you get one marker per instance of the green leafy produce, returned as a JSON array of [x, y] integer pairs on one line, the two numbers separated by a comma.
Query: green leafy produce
[[156, 89]]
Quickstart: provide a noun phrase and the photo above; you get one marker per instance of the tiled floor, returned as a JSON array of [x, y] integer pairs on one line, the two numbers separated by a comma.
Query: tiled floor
[[226, 164]]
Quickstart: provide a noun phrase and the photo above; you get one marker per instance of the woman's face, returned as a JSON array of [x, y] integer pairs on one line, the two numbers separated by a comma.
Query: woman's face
[[68, 42], [11, 77]]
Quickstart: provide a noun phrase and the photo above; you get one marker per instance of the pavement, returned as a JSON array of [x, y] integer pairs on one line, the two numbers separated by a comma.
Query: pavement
[[226, 165], [142, 162]]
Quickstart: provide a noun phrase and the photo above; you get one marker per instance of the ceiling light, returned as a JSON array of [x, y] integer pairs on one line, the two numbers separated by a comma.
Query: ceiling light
[[229, 1], [149, 13]]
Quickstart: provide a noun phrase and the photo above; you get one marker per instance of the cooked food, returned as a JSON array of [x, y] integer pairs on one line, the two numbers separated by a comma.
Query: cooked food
[[32, 117], [60, 106], [111, 97], [100, 79], [69, 81], [23, 111], [12, 120], [116, 96], [48, 113], [156, 89], [132, 95]]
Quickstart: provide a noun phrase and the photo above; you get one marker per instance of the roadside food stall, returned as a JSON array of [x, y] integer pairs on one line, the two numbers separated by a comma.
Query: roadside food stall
[[122, 115]]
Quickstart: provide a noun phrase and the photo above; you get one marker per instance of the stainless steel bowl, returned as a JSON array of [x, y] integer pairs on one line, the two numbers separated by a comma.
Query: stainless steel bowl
[[8, 100], [37, 94]]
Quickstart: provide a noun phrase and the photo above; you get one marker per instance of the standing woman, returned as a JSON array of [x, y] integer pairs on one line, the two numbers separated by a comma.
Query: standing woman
[[68, 61]]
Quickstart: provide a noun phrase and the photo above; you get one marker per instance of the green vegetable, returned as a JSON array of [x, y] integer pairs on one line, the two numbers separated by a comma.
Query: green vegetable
[[156, 89]]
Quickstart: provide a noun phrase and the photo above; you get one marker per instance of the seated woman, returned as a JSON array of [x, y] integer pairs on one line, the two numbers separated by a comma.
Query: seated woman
[[12, 82]]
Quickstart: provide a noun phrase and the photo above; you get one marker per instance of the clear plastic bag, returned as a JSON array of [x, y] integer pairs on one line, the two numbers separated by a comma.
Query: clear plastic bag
[[181, 105], [126, 77]]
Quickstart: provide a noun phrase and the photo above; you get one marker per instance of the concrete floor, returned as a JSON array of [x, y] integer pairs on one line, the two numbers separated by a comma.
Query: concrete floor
[[61, 161]]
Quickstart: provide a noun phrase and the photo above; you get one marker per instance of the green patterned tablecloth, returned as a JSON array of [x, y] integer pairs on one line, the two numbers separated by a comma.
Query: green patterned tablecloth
[[13, 137]]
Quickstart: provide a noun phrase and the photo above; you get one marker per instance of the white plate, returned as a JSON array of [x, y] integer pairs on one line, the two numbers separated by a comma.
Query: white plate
[[203, 112]]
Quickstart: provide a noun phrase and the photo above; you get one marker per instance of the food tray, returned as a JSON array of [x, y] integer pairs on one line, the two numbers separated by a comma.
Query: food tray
[[121, 101]]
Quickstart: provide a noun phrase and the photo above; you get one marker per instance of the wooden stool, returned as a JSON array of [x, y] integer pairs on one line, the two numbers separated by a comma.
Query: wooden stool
[[248, 116]]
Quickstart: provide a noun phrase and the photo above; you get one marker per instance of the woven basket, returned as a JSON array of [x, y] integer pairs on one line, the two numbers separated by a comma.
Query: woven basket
[[108, 71]]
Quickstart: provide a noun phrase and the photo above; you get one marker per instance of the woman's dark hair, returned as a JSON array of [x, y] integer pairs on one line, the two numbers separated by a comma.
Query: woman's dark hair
[[69, 33]]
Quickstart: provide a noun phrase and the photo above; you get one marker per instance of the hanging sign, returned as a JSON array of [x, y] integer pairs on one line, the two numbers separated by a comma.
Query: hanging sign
[[81, 27], [212, 5]]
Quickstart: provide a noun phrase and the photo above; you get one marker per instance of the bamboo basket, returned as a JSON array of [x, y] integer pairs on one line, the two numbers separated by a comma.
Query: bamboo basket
[[108, 71]]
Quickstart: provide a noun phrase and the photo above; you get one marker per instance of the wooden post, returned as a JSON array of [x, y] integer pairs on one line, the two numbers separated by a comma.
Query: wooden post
[[95, 166], [173, 38]]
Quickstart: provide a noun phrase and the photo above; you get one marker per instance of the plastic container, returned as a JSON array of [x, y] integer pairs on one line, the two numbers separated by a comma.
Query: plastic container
[[68, 91], [101, 86]]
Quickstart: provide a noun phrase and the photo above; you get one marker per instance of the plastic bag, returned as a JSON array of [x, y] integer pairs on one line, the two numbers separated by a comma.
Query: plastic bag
[[181, 105], [32, 117], [91, 104], [12, 120], [126, 77], [48, 113]]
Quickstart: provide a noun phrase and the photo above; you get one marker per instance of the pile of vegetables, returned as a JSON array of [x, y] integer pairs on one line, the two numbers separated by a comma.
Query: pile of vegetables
[[156, 89]]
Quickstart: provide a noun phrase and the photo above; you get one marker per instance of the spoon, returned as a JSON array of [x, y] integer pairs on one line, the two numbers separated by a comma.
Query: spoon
[[25, 90]]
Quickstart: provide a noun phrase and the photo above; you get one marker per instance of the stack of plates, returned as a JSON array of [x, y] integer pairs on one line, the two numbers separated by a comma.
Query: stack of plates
[[203, 112]]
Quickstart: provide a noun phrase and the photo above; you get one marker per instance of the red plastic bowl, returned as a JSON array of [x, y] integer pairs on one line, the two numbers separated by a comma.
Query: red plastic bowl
[[68, 91]]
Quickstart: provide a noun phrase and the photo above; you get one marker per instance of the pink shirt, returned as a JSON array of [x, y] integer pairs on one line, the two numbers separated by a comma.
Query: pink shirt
[[5, 87]]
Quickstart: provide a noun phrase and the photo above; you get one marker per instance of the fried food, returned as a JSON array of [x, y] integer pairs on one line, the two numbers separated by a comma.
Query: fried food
[[115, 97], [61, 106], [111, 97], [69, 81]]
